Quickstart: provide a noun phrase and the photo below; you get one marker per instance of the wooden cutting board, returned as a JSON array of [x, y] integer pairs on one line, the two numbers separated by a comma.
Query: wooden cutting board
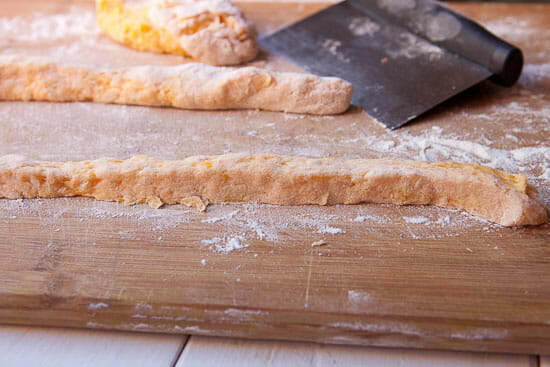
[[395, 276]]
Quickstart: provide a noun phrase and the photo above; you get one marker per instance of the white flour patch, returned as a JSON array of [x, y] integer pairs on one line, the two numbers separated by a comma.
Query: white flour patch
[[138, 316], [416, 220], [143, 306], [97, 306], [244, 315], [358, 296], [293, 116], [191, 329], [73, 38], [534, 74], [330, 230], [482, 334], [251, 221], [232, 243], [157, 219], [219, 219], [371, 218], [411, 47], [444, 220], [388, 327], [94, 324], [363, 26], [433, 146], [137, 326], [227, 244], [247, 222], [333, 46], [510, 28], [40, 27], [262, 231]]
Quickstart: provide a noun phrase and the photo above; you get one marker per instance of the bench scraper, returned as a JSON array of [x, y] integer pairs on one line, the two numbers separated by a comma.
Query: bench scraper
[[403, 57]]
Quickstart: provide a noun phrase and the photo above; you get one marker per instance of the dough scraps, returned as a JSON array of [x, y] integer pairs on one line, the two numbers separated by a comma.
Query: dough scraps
[[485, 192], [191, 86], [210, 31]]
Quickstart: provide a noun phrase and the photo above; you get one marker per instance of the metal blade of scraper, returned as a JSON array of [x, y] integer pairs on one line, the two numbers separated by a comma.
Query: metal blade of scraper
[[396, 74]]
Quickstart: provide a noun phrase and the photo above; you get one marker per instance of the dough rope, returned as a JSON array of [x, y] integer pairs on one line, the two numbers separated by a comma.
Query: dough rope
[[190, 86], [487, 193], [210, 31]]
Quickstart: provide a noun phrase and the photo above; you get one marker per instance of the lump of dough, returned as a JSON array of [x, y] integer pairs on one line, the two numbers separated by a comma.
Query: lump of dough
[[211, 31], [285, 180], [190, 86]]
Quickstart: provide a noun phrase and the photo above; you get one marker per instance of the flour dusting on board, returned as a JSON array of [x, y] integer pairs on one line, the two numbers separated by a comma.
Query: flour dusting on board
[[41, 27], [227, 244], [72, 38], [533, 74], [97, 306], [510, 28], [416, 220], [233, 229]]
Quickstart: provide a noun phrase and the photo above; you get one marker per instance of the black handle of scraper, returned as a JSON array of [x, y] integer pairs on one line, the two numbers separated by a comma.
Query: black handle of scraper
[[452, 31]]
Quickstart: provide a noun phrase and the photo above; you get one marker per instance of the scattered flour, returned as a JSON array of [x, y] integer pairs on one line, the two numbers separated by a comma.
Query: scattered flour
[[380, 327], [40, 27], [433, 146], [533, 74], [360, 297], [97, 306], [331, 230], [333, 47], [232, 243], [72, 38], [510, 28], [444, 220], [482, 334], [363, 26], [242, 223], [226, 245], [219, 219], [416, 220], [371, 218], [410, 47]]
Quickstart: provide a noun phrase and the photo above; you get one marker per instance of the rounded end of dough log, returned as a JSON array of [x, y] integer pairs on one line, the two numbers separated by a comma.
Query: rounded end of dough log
[[306, 93], [524, 210]]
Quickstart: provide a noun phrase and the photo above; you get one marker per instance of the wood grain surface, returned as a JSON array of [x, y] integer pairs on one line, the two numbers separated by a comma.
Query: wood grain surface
[[392, 276]]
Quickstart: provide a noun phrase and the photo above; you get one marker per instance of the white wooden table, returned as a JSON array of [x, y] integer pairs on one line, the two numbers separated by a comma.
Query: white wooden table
[[45, 347]]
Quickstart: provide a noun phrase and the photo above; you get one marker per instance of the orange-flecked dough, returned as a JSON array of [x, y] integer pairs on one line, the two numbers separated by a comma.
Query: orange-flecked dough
[[487, 193], [191, 86], [211, 31]]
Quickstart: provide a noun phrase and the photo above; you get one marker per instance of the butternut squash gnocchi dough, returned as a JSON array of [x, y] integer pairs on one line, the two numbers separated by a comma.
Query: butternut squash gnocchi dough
[[487, 193], [210, 31], [190, 86]]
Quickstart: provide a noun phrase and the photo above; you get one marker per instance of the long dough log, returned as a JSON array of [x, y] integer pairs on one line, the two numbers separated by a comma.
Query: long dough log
[[490, 194], [210, 31], [192, 86]]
